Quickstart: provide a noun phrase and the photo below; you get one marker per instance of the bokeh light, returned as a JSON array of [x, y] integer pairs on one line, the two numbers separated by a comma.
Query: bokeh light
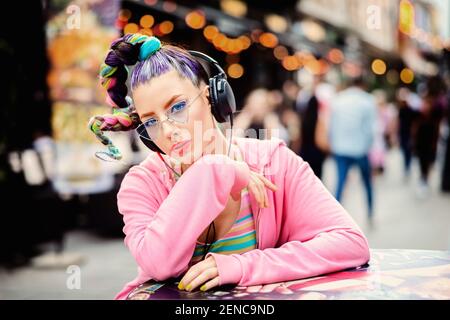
[[235, 70], [166, 27], [336, 56], [195, 19], [131, 28], [280, 52], [268, 40], [210, 32], [378, 66], [407, 75], [147, 21]]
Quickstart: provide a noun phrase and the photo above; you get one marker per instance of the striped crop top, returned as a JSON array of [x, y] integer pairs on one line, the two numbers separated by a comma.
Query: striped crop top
[[240, 238]]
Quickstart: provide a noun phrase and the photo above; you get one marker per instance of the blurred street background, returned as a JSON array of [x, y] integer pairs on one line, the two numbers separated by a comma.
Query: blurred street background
[[360, 89]]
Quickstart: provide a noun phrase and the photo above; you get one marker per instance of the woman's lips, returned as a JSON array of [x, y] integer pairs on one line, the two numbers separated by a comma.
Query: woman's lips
[[181, 146]]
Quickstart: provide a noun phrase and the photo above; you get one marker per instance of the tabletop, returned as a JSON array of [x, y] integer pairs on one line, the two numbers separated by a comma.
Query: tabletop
[[394, 274]]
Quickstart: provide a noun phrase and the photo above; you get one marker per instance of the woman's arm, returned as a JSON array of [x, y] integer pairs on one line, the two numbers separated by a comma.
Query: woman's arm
[[161, 235], [321, 235]]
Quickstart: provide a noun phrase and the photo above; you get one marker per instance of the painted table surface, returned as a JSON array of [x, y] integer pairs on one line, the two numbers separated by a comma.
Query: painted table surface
[[393, 274]]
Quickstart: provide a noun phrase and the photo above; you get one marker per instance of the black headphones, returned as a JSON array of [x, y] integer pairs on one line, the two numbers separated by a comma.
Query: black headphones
[[221, 96]]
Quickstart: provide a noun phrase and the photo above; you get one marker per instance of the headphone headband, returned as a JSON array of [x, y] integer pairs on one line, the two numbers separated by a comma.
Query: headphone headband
[[210, 60]]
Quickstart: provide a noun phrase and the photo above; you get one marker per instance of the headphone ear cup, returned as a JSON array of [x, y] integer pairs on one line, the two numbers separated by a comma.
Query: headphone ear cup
[[226, 97], [213, 99], [224, 101]]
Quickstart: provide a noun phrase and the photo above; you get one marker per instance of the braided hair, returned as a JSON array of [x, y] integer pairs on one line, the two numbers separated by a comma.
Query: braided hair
[[152, 59]]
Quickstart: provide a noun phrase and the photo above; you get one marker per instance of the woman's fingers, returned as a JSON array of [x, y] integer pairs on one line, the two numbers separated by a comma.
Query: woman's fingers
[[257, 186], [263, 191], [263, 185], [268, 183], [210, 284], [253, 187], [260, 193]]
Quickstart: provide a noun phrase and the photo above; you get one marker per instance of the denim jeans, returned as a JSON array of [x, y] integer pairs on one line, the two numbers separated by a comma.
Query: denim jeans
[[344, 163]]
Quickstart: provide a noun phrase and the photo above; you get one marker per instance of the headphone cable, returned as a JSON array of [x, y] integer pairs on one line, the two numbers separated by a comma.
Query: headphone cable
[[213, 224], [179, 175]]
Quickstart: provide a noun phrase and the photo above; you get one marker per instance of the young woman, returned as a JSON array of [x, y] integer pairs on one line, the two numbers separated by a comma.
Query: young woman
[[273, 219]]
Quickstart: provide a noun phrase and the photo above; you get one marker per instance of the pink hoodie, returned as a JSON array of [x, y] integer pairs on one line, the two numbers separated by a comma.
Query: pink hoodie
[[304, 232]]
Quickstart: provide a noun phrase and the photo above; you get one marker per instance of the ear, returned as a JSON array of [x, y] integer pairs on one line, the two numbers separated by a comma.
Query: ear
[[206, 92]]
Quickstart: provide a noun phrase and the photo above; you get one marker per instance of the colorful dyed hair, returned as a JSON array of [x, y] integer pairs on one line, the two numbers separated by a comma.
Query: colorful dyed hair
[[152, 59]]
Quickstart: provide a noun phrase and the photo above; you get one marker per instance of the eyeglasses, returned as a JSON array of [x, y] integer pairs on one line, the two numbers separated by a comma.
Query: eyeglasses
[[177, 112]]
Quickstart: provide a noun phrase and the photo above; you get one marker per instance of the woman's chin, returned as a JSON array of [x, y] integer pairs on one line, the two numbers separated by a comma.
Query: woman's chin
[[184, 158]]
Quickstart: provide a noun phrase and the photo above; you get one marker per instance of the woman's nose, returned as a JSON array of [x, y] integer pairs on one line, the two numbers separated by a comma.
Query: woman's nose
[[169, 129]]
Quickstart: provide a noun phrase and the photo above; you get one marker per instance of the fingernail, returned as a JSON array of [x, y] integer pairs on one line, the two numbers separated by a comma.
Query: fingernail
[[181, 286], [203, 287], [188, 288]]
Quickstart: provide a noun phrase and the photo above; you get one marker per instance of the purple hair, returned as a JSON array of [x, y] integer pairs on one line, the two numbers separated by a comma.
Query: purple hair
[[166, 59]]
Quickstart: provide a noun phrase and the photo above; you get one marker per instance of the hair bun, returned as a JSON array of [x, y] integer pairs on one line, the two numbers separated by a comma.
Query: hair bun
[[126, 52], [149, 47]]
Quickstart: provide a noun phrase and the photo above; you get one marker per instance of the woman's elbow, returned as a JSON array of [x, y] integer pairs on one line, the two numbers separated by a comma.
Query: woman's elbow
[[157, 263], [361, 247]]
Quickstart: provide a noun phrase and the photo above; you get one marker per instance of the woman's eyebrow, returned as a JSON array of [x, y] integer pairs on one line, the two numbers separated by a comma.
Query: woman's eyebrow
[[165, 105]]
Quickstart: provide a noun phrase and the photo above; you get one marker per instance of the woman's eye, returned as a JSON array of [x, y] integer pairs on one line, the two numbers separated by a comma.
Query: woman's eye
[[150, 122], [178, 107]]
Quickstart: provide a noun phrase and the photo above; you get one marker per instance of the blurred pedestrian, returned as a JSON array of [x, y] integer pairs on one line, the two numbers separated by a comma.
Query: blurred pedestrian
[[383, 132], [405, 120], [445, 176], [259, 119], [313, 136], [426, 133], [288, 115], [352, 122]]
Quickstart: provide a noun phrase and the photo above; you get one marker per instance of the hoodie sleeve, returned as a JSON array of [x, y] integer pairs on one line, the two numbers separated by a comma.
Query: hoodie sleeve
[[161, 234], [320, 236]]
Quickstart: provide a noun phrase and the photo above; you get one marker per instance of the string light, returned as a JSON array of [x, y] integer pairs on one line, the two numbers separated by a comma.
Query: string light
[[280, 52], [210, 32], [166, 27], [131, 28], [290, 63], [147, 21], [268, 40], [195, 19], [378, 66], [219, 41], [407, 75], [246, 42], [235, 70], [223, 43]]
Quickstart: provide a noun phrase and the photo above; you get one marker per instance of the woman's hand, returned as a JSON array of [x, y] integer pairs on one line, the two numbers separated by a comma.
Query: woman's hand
[[257, 185], [205, 272]]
